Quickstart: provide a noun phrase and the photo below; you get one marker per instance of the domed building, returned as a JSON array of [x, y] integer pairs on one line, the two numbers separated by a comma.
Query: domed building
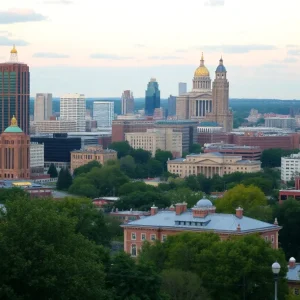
[[206, 102], [14, 153]]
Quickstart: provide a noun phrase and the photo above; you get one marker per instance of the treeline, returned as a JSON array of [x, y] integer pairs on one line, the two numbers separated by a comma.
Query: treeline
[[60, 250]]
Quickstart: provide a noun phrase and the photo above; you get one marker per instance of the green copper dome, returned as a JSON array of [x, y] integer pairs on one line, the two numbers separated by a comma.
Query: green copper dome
[[13, 128]]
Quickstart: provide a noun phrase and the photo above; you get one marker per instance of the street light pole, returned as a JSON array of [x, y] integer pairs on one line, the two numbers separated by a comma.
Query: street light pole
[[276, 270]]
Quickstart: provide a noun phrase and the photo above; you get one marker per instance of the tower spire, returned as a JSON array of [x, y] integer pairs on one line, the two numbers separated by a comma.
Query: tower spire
[[13, 54], [202, 60]]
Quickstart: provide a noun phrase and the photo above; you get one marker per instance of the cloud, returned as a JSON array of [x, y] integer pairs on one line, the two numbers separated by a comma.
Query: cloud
[[20, 16], [236, 48], [5, 41], [109, 56], [50, 55], [180, 50], [287, 60], [58, 2], [295, 52], [291, 46], [215, 3], [140, 46], [164, 57]]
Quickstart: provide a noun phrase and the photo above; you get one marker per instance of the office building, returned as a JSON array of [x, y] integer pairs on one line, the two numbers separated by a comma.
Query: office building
[[172, 106], [127, 103], [182, 88], [290, 167], [42, 107], [36, 159], [14, 92], [54, 126], [206, 103], [285, 122], [72, 108], [160, 138], [83, 156], [57, 148], [199, 219], [152, 99], [210, 164], [14, 153], [103, 113]]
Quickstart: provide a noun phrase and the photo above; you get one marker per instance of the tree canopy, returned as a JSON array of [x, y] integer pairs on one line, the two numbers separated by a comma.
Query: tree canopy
[[52, 171]]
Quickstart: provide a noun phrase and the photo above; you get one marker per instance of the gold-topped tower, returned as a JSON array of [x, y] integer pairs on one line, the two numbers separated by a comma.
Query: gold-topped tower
[[13, 55], [201, 70], [13, 121]]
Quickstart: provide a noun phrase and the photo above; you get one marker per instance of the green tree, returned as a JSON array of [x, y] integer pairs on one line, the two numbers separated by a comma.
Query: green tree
[[288, 216], [163, 157], [245, 197], [182, 285], [87, 167], [195, 148], [184, 194], [127, 165], [140, 156], [12, 193], [272, 157], [122, 148], [134, 280], [64, 180], [42, 256], [52, 171], [155, 168], [136, 186]]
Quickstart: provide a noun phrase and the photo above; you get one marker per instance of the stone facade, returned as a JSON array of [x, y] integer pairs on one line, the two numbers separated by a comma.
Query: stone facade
[[210, 164]]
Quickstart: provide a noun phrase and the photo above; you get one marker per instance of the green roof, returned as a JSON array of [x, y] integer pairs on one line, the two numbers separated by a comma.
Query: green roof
[[13, 129]]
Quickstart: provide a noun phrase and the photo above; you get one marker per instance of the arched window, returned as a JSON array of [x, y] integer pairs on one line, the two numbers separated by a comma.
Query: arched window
[[133, 250]]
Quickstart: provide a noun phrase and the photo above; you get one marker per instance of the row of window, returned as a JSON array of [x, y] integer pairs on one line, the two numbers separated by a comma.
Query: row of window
[[272, 239], [144, 237]]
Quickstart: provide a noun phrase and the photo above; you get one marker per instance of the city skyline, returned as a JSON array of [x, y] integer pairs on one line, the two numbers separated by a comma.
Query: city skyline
[[259, 49]]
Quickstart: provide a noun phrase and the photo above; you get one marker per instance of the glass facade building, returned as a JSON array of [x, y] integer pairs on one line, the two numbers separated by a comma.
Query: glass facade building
[[14, 95], [152, 99], [103, 113]]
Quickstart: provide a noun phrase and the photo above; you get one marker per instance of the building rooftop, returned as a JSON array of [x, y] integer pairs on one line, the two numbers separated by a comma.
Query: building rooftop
[[176, 122], [209, 124], [293, 274], [227, 223], [28, 184], [229, 146], [93, 151]]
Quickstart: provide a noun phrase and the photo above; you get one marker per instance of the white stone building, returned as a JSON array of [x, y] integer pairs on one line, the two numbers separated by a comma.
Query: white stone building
[[36, 158], [290, 167], [72, 108]]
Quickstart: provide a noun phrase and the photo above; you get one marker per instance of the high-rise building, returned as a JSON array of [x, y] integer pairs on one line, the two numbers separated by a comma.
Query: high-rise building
[[127, 103], [171, 105], [14, 92], [103, 113], [14, 153], [182, 88], [72, 108], [42, 107], [152, 99]]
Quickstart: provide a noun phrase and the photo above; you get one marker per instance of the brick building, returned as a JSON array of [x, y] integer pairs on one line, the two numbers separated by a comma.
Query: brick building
[[201, 218], [14, 153], [292, 193], [82, 157], [293, 277]]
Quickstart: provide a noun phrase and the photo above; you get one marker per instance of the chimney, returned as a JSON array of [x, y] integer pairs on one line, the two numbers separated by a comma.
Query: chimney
[[154, 210], [238, 228], [239, 212], [180, 208], [292, 263], [275, 221], [172, 208]]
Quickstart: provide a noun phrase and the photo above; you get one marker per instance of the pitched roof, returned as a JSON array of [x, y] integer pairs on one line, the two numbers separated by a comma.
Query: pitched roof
[[212, 222], [293, 274]]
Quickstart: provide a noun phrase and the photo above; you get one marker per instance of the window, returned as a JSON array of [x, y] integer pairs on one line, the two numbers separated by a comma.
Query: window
[[266, 238], [133, 250], [164, 238], [272, 239], [153, 237], [143, 236], [133, 236]]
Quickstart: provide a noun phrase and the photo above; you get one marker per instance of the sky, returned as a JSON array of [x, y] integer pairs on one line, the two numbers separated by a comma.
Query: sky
[[100, 48]]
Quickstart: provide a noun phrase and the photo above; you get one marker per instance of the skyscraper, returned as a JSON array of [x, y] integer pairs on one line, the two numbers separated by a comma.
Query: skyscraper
[[127, 103], [72, 108], [152, 99], [182, 88], [171, 105], [14, 92], [103, 113], [42, 107]]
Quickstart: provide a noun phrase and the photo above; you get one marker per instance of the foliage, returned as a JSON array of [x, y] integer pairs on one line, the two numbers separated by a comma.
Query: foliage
[[128, 166], [241, 196], [272, 157], [195, 148], [64, 180], [134, 280], [226, 268], [86, 168], [163, 156], [42, 256], [182, 285], [184, 194], [52, 171], [288, 216], [122, 148], [12, 193]]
